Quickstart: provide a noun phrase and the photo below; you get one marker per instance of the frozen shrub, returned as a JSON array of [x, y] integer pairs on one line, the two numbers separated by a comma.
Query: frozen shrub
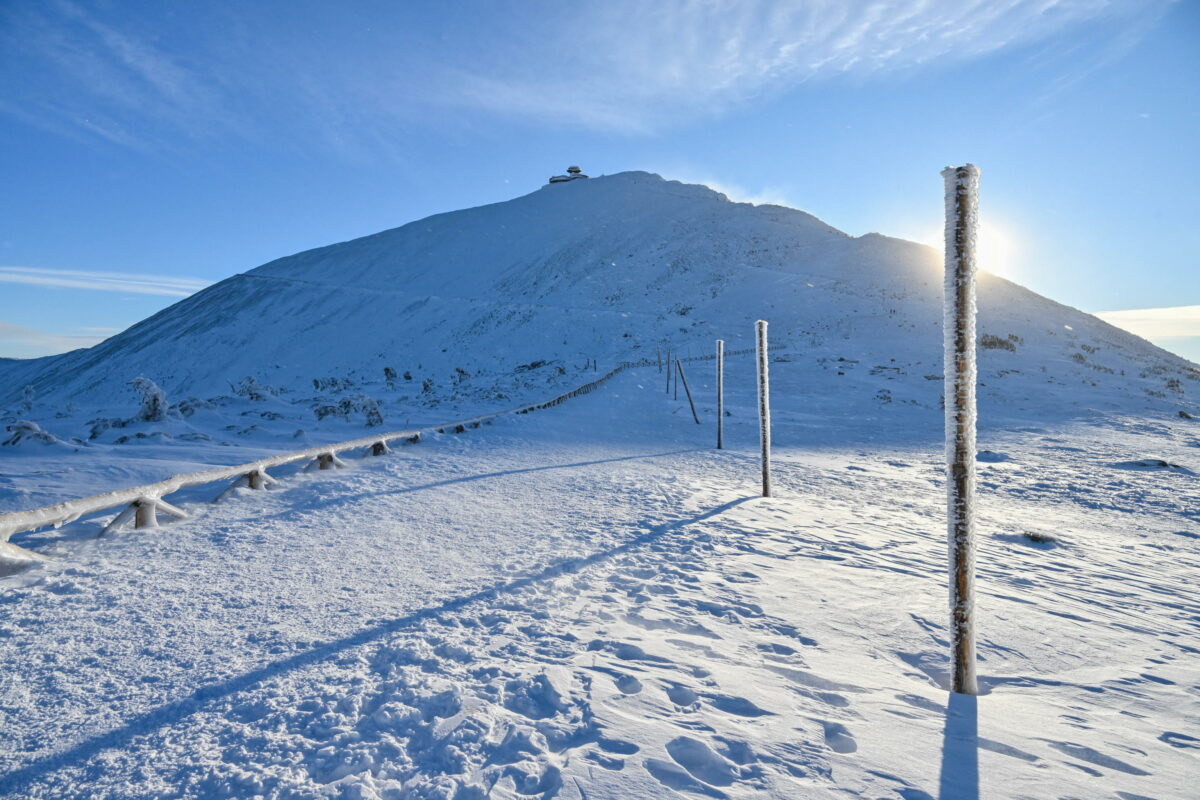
[[360, 403], [992, 342], [153, 406], [189, 405], [24, 430], [251, 389], [370, 410]]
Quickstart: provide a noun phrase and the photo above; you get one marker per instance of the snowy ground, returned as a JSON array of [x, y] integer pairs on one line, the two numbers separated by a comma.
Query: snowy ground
[[590, 602]]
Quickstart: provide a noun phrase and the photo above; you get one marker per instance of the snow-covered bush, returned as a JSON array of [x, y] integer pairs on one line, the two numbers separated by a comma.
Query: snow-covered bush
[[367, 406], [251, 389], [153, 406], [189, 405], [990, 341], [24, 431]]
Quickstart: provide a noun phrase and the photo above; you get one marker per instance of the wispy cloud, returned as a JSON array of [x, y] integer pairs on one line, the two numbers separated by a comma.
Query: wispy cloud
[[352, 77], [1175, 328], [130, 283], [17, 341], [1157, 323], [640, 65]]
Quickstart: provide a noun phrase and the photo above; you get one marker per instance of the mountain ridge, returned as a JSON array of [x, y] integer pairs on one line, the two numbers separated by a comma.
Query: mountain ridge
[[561, 275]]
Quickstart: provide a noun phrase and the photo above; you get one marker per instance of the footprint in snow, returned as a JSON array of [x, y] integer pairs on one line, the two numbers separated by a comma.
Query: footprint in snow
[[673, 776], [681, 696], [704, 763], [739, 706], [838, 737], [628, 684]]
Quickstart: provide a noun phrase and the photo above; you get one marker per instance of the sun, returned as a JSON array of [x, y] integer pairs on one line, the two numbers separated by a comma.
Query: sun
[[997, 248]]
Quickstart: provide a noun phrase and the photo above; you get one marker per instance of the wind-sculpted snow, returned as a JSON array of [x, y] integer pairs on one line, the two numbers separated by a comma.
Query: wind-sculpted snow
[[593, 603]]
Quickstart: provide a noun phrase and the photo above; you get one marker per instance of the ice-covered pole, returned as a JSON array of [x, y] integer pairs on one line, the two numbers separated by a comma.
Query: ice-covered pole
[[764, 406], [720, 394], [962, 203], [683, 376]]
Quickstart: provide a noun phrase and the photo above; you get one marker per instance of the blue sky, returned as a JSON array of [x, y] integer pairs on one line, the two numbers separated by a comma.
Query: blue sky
[[151, 148]]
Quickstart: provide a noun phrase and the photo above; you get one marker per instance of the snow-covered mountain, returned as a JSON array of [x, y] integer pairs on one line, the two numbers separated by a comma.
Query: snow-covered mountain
[[592, 602], [609, 268]]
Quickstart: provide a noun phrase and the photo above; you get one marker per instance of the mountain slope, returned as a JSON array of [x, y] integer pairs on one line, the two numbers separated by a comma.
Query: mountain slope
[[608, 268]]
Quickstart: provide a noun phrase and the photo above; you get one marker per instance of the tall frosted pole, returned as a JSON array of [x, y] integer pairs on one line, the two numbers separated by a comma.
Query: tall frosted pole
[[720, 394], [764, 406], [962, 211]]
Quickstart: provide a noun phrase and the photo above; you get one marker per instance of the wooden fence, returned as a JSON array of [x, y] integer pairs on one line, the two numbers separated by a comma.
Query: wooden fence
[[143, 502]]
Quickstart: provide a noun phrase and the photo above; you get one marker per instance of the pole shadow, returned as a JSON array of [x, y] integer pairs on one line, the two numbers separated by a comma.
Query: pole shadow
[[17, 781], [959, 778], [347, 499]]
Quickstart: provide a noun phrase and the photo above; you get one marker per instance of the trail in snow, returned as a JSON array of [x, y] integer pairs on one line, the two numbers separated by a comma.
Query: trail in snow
[[575, 605]]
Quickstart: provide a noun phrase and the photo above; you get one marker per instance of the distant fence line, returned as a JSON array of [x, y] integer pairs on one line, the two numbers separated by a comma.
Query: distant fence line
[[143, 501]]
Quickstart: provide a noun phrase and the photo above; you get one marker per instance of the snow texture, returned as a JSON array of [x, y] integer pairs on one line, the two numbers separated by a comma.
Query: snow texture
[[592, 602]]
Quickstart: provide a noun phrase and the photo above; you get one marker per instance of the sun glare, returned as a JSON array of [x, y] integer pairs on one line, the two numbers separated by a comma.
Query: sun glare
[[997, 248]]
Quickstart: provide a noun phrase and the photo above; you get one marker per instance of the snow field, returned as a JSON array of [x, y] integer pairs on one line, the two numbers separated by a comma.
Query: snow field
[[589, 602]]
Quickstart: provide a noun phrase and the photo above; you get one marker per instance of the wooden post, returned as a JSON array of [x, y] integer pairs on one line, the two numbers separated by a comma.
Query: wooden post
[[695, 416], [962, 209], [720, 394], [669, 370], [658, 352], [145, 517], [764, 406]]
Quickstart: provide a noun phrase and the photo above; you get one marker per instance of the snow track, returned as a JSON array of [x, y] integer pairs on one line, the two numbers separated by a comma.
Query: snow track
[[568, 606]]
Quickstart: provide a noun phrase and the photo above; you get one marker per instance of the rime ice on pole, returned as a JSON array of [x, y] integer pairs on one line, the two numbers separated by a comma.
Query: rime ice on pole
[[962, 200], [764, 405]]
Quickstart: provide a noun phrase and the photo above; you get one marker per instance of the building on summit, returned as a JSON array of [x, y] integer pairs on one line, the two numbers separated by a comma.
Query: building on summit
[[573, 173]]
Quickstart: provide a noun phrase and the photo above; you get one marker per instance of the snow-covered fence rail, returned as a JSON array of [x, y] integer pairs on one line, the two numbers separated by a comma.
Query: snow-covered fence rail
[[143, 501]]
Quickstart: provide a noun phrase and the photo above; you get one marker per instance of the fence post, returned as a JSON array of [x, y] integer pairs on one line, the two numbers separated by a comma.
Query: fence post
[[679, 366], [720, 394], [962, 209], [764, 406], [144, 516], [668, 371]]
